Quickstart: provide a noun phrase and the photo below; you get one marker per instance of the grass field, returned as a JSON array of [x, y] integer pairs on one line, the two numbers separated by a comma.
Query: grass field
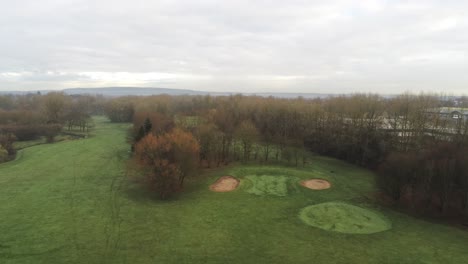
[[344, 218], [71, 202]]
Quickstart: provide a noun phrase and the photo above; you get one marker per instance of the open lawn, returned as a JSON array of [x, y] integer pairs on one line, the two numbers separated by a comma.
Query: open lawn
[[71, 202]]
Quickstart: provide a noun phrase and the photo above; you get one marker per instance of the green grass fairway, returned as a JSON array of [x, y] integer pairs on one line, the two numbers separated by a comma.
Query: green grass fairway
[[268, 185], [344, 218], [71, 202]]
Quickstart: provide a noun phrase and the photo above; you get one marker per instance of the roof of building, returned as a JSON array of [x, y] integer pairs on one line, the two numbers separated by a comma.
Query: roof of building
[[449, 110]]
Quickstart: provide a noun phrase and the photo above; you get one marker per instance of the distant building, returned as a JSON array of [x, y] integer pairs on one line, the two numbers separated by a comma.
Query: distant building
[[454, 113]]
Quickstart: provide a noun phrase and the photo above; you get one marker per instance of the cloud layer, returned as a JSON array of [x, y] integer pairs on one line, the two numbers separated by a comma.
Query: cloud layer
[[295, 46]]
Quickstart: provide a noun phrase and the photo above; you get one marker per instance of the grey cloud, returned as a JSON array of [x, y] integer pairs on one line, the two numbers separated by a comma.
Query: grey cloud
[[338, 46]]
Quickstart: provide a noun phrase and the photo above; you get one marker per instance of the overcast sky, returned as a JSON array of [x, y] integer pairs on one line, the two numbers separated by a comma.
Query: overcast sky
[[241, 45]]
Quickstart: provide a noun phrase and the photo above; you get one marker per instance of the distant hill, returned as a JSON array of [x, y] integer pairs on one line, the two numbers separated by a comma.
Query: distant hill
[[141, 91], [138, 91], [293, 95]]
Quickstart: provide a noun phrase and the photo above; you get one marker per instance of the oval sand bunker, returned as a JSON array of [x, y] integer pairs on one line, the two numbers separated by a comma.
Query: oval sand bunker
[[344, 218], [316, 184], [225, 184]]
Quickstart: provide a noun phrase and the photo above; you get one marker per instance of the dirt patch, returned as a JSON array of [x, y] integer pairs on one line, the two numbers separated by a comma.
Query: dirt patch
[[316, 184], [225, 184]]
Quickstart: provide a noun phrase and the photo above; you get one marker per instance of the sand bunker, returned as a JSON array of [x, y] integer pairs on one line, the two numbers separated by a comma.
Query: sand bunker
[[225, 184], [316, 184]]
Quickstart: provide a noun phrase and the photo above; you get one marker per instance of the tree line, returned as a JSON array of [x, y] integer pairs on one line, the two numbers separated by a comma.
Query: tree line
[[32, 116], [364, 129], [419, 155]]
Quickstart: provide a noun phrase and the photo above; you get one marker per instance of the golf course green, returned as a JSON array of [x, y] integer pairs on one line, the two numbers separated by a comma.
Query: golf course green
[[74, 202], [344, 218]]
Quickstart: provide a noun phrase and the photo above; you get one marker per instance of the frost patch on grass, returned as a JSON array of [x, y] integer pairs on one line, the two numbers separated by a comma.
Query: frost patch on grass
[[270, 185], [344, 218]]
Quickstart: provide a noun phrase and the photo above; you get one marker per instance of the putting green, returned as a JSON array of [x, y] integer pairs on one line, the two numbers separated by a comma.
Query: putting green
[[344, 218], [270, 185]]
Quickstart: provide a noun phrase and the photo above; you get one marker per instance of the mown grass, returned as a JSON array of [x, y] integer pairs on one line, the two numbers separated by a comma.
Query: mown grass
[[71, 202], [344, 218], [269, 185]]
